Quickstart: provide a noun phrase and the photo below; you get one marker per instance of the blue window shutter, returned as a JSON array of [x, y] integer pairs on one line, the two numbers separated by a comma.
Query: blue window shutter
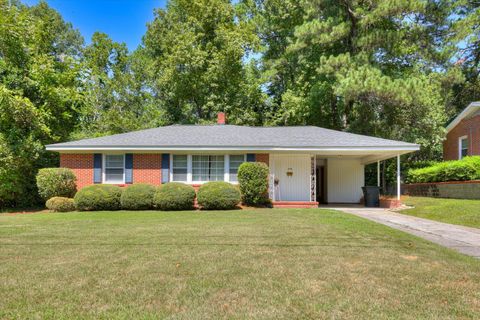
[[97, 168], [250, 157], [129, 168], [165, 167]]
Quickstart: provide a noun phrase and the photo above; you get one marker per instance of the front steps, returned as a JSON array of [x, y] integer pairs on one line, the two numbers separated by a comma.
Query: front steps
[[295, 204]]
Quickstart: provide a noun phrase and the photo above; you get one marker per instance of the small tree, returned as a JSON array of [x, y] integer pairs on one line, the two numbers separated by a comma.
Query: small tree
[[56, 182], [253, 179]]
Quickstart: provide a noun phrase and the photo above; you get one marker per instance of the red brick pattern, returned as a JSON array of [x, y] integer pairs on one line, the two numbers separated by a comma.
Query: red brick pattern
[[295, 204], [467, 127], [262, 157], [147, 168], [390, 203], [81, 165]]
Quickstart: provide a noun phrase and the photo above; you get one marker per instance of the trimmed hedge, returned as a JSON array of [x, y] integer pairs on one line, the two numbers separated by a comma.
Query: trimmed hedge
[[60, 204], [56, 182], [218, 195], [138, 197], [253, 180], [457, 170], [98, 197], [174, 196]]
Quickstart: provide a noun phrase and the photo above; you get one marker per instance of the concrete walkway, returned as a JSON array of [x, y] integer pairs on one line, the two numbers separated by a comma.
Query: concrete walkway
[[463, 239]]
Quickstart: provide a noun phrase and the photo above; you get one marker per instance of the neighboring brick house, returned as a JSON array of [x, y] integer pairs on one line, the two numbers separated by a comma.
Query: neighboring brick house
[[307, 164], [463, 134]]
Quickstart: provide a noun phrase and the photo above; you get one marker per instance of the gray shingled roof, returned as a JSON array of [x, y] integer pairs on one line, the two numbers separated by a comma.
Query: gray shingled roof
[[234, 136]]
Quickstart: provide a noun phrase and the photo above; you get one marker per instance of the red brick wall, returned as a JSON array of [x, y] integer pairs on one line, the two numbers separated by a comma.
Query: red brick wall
[[467, 127], [262, 157], [147, 168], [81, 165]]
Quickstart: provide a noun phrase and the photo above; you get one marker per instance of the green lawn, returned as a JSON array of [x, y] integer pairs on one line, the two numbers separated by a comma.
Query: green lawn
[[264, 264], [455, 211]]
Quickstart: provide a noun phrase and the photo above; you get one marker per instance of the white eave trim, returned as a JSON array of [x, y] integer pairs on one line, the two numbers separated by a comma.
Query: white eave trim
[[465, 113], [410, 148]]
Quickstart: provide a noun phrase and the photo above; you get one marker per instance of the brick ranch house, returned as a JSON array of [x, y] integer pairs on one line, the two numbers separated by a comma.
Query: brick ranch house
[[307, 164], [463, 134]]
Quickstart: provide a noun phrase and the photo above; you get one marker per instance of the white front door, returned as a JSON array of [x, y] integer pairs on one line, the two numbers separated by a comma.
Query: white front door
[[293, 175]]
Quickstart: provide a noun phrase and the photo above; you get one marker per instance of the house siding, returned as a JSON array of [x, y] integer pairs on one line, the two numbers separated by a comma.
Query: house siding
[[263, 157], [81, 165], [294, 187], [469, 127], [345, 179], [147, 168]]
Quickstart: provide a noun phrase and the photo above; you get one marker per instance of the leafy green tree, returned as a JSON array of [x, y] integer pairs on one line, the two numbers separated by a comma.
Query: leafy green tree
[[38, 93], [465, 33], [375, 67], [199, 51], [116, 94]]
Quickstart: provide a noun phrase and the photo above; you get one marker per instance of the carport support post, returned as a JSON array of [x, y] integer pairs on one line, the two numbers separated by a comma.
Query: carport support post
[[378, 174], [398, 177]]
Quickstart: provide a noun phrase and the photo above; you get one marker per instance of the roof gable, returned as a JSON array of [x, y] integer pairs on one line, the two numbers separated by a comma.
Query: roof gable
[[470, 110]]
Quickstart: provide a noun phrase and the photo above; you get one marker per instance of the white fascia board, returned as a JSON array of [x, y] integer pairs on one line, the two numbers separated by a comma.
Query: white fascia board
[[409, 148], [382, 156], [472, 107]]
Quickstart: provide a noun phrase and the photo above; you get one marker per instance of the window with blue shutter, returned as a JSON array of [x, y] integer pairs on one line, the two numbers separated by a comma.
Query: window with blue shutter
[[165, 167], [97, 168], [129, 168], [250, 157]]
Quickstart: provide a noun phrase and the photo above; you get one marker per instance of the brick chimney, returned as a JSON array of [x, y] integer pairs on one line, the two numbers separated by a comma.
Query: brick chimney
[[221, 118]]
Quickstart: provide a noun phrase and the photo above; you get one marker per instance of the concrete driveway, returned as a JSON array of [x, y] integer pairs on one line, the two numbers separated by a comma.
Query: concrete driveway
[[463, 239]]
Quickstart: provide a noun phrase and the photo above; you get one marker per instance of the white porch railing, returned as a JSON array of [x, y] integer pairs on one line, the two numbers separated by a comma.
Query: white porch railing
[[273, 188], [313, 178]]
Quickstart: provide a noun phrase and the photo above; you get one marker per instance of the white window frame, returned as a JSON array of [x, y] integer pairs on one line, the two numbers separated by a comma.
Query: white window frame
[[208, 155], [189, 171], [104, 168], [226, 169], [460, 139]]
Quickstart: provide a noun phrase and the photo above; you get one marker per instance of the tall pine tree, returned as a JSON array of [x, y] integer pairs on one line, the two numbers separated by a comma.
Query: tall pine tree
[[371, 67]]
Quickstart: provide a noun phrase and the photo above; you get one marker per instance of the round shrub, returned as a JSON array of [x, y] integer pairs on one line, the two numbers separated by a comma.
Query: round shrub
[[253, 180], [60, 204], [174, 196], [56, 182], [98, 197], [218, 195], [138, 197]]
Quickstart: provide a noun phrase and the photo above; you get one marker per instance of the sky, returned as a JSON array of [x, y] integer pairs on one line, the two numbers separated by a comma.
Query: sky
[[123, 20]]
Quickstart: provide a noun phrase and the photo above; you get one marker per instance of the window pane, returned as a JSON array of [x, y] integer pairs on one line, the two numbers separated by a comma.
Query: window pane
[[179, 177], [113, 175], [114, 168], [207, 168], [235, 162], [114, 161], [464, 145], [217, 167], [179, 167]]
